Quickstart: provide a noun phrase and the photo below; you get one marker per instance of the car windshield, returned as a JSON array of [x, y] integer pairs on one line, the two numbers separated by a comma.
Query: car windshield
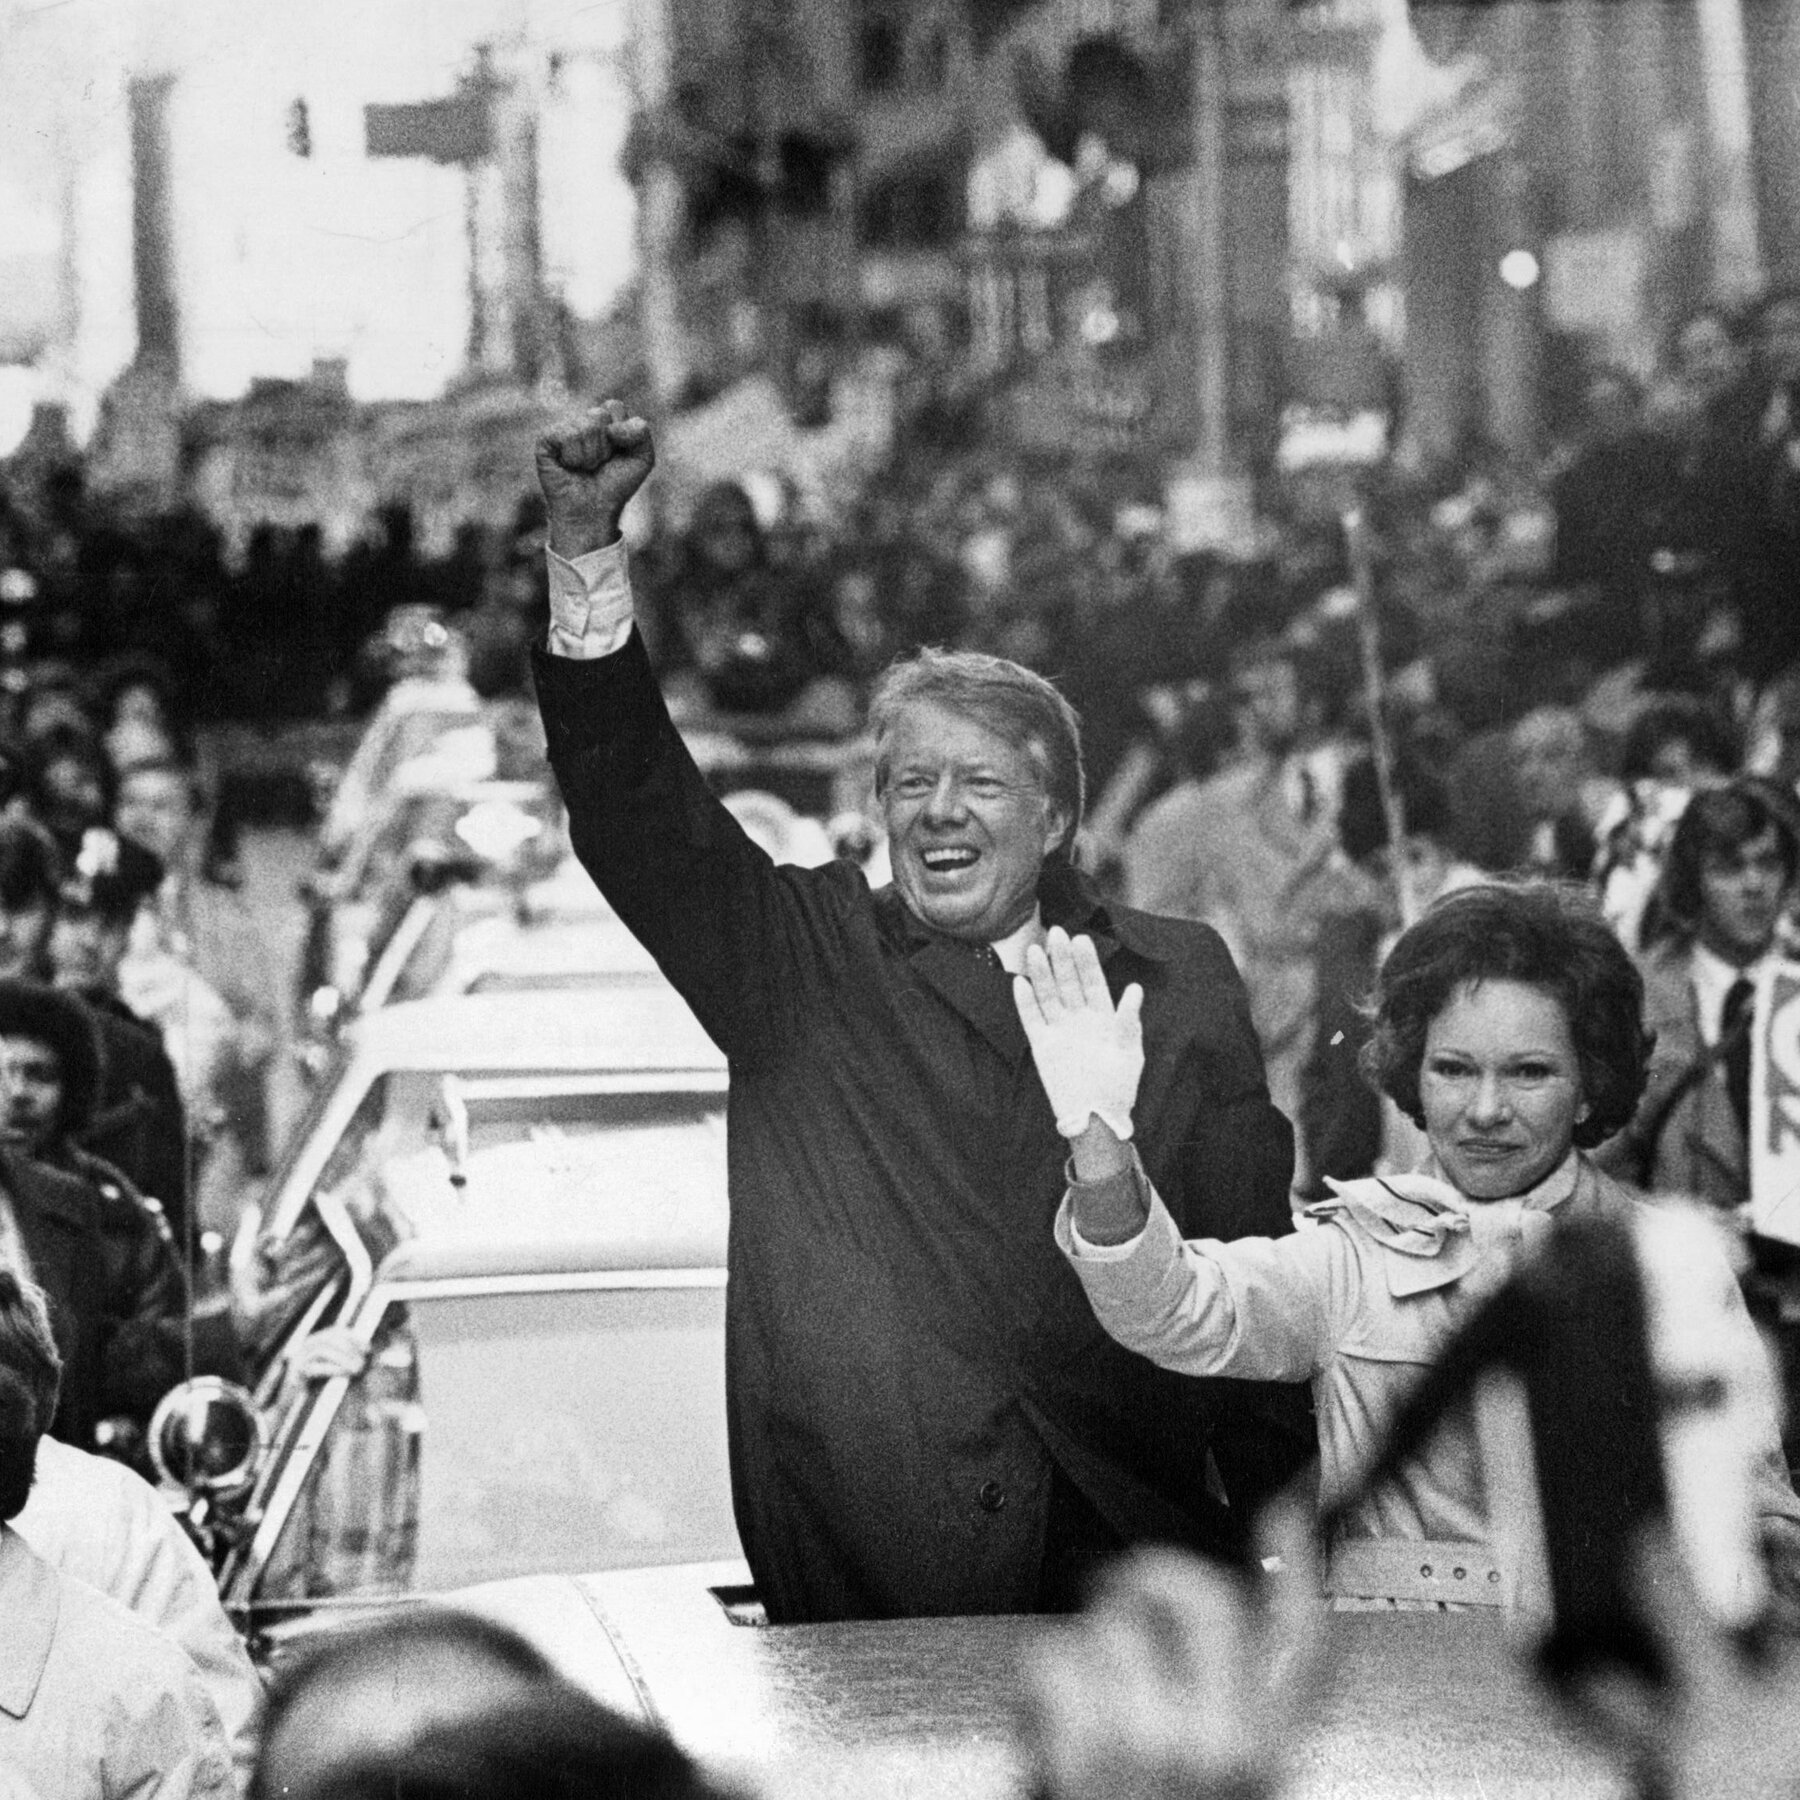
[[500, 1433], [402, 1131]]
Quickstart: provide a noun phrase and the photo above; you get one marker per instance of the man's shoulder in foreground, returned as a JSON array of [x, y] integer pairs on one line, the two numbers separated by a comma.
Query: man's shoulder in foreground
[[93, 1699]]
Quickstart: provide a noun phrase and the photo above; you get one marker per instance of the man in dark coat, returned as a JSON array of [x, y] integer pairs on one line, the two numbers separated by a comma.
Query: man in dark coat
[[49, 1078], [924, 1415], [138, 1123]]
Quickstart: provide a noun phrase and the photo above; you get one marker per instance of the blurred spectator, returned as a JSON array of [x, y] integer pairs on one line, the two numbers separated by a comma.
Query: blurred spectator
[[1559, 793], [1729, 874], [98, 1702], [140, 1125], [439, 1705], [135, 709], [755, 638], [1775, 733], [1768, 553], [1676, 744], [1611, 497], [69, 785], [203, 926], [1254, 852], [49, 1080], [557, 1744], [429, 696]]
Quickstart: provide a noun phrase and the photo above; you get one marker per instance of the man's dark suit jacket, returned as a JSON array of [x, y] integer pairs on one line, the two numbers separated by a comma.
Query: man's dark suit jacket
[[907, 1353]]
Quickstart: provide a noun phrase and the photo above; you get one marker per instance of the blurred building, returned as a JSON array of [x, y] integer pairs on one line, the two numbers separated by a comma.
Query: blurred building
[[1034, 196]]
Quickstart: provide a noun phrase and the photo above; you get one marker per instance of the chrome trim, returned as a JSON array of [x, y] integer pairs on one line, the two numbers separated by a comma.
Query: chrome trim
[[378, 986], [598, 1081], [469, 1287]]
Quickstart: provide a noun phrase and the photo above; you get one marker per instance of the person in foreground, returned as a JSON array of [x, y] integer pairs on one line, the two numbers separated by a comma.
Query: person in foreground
[[924, 1416], [1509, 1026], [1182, 1681], [436, 1704], [94, 1702]]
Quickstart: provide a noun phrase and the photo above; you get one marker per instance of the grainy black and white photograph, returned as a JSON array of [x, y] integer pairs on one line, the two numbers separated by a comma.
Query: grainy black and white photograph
[[899, 899]]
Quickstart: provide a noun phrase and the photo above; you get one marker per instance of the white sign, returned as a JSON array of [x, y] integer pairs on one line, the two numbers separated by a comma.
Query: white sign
[[1593, 281], [1775, 1104]]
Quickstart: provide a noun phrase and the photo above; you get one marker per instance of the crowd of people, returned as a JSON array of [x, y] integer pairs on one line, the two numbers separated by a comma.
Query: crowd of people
[[1551, 826]]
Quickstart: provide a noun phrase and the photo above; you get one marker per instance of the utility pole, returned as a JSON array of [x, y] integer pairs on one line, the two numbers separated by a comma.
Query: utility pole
[[1212, 306]]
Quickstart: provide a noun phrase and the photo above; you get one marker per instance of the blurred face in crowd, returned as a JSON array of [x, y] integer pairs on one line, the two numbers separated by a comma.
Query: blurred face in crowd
[[24, 938], [1501, 1088], [724, 532], [1549, 755], [969, 822], [1706, 359], [1271, 707], [155, 808], [73, 796], [1742, 893], [86, 947], [1611, 406], [31, 1091], [1779, 333], [1677, 762]]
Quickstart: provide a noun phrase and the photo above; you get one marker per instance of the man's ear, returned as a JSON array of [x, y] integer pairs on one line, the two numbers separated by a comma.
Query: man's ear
[[1059, 828]]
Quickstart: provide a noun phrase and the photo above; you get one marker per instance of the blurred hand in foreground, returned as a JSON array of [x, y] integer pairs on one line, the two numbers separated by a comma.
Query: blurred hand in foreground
[[588, 470], [1181, 1680], [1727, 1723]]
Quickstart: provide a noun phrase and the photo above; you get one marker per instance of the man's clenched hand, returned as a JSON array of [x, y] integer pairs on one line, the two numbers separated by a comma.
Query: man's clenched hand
[[588, 471]]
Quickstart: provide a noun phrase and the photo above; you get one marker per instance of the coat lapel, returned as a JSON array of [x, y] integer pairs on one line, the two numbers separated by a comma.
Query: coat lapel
[[977, 987], [30, 1599]]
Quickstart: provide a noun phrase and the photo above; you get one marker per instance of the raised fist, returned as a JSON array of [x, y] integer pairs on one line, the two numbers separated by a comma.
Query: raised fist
[[588, 471]]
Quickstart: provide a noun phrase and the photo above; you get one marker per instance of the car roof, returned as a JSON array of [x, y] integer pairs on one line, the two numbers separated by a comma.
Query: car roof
[[562, 1205], [916, 1709], [640, 1024], [501, 948]]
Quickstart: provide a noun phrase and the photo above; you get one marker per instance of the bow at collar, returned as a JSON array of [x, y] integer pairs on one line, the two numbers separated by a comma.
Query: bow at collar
[[1430, 1234]]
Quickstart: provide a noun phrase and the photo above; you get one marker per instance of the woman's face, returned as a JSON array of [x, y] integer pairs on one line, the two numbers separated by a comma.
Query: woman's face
[[1501, 1088]]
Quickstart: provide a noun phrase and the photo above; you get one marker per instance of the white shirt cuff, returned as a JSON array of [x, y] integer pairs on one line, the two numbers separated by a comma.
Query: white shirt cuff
[[590, 602]]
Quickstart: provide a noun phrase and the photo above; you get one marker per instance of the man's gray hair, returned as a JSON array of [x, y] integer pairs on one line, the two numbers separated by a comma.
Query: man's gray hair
[[1003, 697]]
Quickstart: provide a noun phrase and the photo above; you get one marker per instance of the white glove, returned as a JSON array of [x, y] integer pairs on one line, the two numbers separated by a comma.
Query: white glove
[[1089, 1052]]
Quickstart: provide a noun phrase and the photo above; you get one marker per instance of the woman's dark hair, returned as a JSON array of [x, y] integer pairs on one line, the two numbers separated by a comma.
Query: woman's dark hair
[[67, 744], [118, 677], [30, 1374], [48, 1016], [1717, 823], [1543, 935], [30, 864], [1679, 719]]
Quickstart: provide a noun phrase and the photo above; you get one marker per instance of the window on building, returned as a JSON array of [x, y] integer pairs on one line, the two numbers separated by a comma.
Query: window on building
[[919, 212], [883, 54]]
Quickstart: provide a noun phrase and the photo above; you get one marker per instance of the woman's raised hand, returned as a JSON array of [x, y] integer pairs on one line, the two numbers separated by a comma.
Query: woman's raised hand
[[1089, 1052]]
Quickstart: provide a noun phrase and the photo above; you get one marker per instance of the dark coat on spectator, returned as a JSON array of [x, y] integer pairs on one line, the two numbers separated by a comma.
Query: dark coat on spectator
[[909, 1359], [139, 1125], [119, 1338]]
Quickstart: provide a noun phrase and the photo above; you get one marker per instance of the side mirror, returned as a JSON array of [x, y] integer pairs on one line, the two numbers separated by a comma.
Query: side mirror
[[207, 1438]]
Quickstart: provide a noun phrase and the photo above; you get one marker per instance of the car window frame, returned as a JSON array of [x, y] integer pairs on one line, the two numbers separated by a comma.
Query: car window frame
[[300, 1437]]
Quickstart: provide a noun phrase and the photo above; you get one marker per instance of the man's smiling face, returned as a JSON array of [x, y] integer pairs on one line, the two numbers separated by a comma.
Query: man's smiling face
[[969, 822]]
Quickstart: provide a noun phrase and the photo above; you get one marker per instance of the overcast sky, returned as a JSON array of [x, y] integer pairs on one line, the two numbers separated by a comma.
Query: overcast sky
[[281, 259]]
